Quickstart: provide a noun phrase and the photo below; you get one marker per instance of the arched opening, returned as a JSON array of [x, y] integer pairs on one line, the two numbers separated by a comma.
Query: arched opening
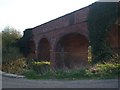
[[44, 50], [72, 51]]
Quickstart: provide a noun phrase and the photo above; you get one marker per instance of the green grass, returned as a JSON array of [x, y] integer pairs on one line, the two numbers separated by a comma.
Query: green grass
[[99, 71], [30, 74]]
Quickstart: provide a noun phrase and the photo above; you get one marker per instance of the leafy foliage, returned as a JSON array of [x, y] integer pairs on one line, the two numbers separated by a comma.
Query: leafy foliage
[[107, 70], [23, 43], [9, 48], [16, 66], [101, 16], [31, 74], [9, 37], [98, 71], [40, 67]]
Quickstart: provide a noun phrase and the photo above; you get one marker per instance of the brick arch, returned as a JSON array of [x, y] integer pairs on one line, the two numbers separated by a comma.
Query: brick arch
[[71, 50], [67, 33], [43, 52]]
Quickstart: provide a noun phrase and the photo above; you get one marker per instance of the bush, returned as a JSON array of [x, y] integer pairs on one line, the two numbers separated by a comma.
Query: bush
[[16, 66], [106, 70], [40, 67], [31, 74], [42, 70], [10, 51], [11, 55], [115, 58]]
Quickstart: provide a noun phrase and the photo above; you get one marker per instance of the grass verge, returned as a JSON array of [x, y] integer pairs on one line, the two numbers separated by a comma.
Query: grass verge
[[99, 71]]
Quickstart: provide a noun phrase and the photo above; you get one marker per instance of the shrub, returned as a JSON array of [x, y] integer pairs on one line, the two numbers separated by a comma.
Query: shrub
[[98, 71], [16, 66], [10, 50], [41, 67], [11, 55], [115, 58], [106, 70], [30, 74]]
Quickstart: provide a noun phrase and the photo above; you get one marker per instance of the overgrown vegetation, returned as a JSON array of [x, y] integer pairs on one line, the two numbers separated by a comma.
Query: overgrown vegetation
[[106, 70], [99, 71], [17, 66], [24, 42], [40, 67], [10, 51], [101, 17], [12, 60]]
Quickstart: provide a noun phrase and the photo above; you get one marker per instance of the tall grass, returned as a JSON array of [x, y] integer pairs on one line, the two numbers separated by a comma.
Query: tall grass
[[98, 71]]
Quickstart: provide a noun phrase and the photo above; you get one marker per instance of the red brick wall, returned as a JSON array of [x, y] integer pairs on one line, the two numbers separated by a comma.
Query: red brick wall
[[74, 22], [63, 22], [113, 38], [54, 30]]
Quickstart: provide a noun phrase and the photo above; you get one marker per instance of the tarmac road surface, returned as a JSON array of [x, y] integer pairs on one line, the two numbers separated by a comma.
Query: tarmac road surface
[[8, 82]]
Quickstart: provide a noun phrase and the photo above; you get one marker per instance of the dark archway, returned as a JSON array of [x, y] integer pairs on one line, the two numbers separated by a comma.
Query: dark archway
[[44, 50], [72, 51]]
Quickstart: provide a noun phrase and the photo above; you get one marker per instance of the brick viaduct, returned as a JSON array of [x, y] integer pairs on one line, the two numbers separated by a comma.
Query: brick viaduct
[[65, 39]]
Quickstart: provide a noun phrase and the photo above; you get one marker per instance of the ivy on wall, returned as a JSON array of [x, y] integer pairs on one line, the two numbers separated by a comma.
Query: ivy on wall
[[23, 43], [101, 16]]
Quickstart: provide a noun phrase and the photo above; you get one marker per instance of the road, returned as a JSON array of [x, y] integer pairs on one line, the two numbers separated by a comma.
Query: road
[[8, 82]]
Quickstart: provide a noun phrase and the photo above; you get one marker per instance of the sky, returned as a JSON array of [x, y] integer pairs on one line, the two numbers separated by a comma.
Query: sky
[[23, 14]]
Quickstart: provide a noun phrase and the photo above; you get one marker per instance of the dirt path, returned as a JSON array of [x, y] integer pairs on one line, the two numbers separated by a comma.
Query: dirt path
[[25, 83]]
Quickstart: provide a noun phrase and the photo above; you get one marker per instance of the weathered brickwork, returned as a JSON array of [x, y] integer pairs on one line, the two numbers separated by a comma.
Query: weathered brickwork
[[68, 33]]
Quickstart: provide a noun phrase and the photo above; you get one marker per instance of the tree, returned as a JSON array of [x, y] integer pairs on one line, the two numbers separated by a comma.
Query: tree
[[9, 47], [24, 42]]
